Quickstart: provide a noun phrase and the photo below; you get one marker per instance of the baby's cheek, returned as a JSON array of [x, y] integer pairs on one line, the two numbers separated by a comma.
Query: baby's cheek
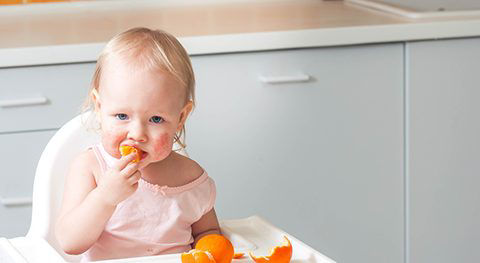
[[111, 141], [163, 146]]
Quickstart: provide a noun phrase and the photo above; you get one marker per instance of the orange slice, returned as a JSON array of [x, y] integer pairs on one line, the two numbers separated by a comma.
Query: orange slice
[[126, 150], [197, 256], [279, 254], [219, 246]]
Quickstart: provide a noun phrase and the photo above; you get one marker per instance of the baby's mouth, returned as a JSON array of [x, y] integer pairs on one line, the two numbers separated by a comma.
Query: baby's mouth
[[143, 155]]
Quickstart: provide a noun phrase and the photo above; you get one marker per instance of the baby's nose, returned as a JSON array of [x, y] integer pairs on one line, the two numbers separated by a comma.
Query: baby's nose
[[137, 132]]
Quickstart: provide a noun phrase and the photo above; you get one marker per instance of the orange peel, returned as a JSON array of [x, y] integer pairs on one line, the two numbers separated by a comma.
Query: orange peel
[[219, 246], [197, 256], [238, 255], [126, 150], [278, 254]]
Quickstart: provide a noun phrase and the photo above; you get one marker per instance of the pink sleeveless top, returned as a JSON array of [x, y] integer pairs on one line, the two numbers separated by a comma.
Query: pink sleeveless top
[[154, 220]]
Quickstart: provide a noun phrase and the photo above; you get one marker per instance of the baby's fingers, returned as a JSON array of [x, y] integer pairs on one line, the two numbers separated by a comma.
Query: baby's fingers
[[130, 169], [133, 179], [124, 161]]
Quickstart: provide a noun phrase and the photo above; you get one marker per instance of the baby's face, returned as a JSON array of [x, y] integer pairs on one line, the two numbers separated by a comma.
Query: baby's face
[[140, 108]]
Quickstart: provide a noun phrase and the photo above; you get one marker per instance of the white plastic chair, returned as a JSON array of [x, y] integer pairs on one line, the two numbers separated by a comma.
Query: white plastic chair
[[71, 139]]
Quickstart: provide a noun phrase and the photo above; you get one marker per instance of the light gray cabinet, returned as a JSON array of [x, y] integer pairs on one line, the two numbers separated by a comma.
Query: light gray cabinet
[[444, 150], [322, 159], [34, 103], [20, 154], [42, 97]]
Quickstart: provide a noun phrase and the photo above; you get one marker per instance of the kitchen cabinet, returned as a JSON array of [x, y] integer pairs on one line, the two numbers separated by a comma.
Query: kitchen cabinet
[[321, 158], [444, 150], [42, 97], [17, 179], [34, 103]]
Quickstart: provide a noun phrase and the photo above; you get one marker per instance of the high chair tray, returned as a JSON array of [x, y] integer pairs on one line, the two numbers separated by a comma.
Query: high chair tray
[[249, 234], [27, 250]]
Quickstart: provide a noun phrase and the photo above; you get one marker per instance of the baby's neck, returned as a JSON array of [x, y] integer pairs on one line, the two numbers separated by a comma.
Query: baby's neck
[[160, 172]]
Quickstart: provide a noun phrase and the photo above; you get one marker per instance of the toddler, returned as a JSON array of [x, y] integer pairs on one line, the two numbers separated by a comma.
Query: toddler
[[142, 92]]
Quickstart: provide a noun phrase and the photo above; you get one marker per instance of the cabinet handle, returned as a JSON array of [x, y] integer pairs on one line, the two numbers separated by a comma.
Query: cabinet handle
[[16, 201], [23, 102], [285, 79]]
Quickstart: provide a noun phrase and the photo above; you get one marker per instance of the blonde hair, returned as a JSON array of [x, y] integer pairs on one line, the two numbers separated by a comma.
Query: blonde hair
[[148, 49]]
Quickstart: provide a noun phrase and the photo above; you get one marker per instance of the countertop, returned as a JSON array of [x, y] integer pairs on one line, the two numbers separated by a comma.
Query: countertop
[[77, 31]]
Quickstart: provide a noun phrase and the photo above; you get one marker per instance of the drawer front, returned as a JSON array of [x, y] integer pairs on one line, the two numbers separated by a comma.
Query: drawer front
[[18, 164], [15, 220], [44, 97]]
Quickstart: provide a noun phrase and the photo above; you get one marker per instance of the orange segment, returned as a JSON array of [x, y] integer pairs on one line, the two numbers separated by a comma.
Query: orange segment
[[219, 246], [126, 150], [279, 254], [197, 256]]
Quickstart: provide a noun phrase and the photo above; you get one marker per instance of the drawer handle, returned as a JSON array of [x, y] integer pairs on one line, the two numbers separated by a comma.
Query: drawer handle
[[23, 102], [285, 79], [16, 201]]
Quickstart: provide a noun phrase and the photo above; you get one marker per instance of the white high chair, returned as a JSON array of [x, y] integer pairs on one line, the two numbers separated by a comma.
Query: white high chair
[[52, 167]]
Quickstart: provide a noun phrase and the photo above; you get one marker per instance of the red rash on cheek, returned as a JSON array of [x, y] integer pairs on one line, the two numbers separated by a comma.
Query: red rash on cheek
[[111, 141], [163, 146]]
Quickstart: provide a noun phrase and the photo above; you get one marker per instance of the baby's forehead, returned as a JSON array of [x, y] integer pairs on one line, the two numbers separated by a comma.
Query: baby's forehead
[[116, 63], [126, 78]]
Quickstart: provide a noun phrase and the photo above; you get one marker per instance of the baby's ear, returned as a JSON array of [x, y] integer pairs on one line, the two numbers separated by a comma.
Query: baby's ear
[[184, 114]]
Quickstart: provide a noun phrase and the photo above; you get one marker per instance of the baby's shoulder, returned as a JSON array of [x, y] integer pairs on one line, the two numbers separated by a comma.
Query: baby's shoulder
[[86, 157], [87, 162], [188, 168]]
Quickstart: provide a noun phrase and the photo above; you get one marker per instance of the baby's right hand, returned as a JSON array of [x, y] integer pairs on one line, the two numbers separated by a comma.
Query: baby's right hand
[[120, 181]]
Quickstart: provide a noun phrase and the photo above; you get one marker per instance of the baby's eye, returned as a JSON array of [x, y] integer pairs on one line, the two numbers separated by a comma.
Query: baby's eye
[[156, 119], [121, 116]]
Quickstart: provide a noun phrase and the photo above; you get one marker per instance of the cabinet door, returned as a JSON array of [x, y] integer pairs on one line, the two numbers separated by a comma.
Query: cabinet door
[[19, 157], [322, 159], [444, 150], [42, 97]]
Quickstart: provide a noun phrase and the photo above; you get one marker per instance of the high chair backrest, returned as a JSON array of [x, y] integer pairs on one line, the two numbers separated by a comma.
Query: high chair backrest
[[71, 139]]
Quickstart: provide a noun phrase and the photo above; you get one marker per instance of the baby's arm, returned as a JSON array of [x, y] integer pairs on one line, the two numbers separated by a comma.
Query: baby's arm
[[208, 224], [86, 208]]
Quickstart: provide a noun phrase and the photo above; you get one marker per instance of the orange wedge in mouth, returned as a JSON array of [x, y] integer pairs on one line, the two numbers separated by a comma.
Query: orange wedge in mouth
[[279, 254], [126, 150], [197, 256]]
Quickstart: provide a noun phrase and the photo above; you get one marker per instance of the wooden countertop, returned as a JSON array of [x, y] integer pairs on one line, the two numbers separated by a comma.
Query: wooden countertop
[[76, 32]]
